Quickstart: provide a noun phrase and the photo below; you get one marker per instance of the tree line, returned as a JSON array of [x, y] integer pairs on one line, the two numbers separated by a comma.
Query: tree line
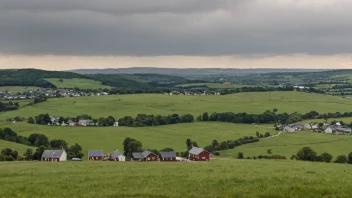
[[215, 146], [44, 119], [151, 120], [268, 117], [308, 154], [9, 106]]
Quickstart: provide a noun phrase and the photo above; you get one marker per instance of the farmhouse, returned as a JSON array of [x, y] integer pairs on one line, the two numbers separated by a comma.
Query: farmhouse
[[95, 155], [167, 156], [71, 123], [144, 156], [289, 129], [198, 154], [54, 156], [116, 156], [329, 130], [85, 123]]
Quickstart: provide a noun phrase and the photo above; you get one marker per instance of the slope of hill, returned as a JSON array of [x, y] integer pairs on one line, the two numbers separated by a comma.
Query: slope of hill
[[80, 83], [218, 178], [123, 105], [110, 138], [20, 148], [288, 144]]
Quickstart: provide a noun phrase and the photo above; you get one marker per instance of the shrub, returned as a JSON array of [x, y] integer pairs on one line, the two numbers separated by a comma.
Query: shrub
[[2, 158], [269, 151], [293, 157], [306, 154], [350, 158], [325, 157], [217, 153], [20, 158], [341, 159], [9, 158], [240, 155]]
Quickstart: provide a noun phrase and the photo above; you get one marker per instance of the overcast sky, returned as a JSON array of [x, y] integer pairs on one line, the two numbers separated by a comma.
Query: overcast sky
[[175, 33]]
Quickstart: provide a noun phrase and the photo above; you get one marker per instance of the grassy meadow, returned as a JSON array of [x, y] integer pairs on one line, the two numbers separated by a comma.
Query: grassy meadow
[[123, 105], [18, 88], [214, 85], [217, 178], [18, 147], [77, 82], [289, 143], [110, 138]]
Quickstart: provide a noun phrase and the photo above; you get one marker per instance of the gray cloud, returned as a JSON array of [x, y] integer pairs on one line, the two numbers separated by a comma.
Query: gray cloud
[[175, 27]]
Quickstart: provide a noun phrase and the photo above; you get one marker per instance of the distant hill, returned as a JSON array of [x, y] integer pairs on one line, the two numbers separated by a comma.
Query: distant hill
[[187, 71]]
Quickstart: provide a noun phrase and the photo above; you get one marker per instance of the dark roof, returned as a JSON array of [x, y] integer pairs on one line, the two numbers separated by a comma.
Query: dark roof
[[114, 155], [168, 154], [53, 153], [96, 153], [139, 155], [196, 150]]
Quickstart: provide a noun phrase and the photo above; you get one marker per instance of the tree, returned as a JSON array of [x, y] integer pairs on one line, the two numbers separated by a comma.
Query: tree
[[325, 157], [215, 143], [30, 120], [306, 154], [341, 159], [61, 119], [9, 158], [59, 144], [39, 152], [6, 152], [32, 138], [275, 110], [205, 116], [240, 155], [167, 149], [350, 158], [41, 140], [131, 145], [14, 154], [269, 151], [2, 158], [75, 151], [267, 134], [28, 155], [189, 144]]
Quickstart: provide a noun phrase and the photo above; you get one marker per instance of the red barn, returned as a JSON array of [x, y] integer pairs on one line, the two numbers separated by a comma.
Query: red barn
[[198, 154], [168, 156], [96, 155], [144, 156]]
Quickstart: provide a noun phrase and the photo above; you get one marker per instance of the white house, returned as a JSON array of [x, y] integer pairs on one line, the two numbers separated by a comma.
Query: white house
[[116, 156], [85, 123], [328, 130], [54, 156], [289, 129], [116, 124]]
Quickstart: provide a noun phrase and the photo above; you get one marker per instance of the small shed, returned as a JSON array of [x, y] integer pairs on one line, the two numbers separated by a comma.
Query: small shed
[[198, 154], [144, 156], [117, 156], [95, 155], [54, 156], [168, 156]]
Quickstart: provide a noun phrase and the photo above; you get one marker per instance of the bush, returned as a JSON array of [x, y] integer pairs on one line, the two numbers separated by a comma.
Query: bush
[[306, 154], [9, 158], [2, 158], [325, 157], [269, 151], [341, 159], [350, 158], [293, 157], [217, 153], [240, 155], [20, 158]]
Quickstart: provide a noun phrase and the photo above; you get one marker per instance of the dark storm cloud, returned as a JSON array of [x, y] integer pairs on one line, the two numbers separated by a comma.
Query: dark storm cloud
[[175, 27]]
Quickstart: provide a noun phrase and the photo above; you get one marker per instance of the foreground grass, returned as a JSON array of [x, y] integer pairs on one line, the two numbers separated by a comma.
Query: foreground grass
[[123, 105], [289, 143], [110, 138], [218, 178], [77, 82]]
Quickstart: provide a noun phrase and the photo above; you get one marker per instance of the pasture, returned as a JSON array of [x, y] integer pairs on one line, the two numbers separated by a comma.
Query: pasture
[[123, 105], [214, 85], [110, 138], [18, 147], [217, 178], [18, 88], [77, 82], [289, 143]]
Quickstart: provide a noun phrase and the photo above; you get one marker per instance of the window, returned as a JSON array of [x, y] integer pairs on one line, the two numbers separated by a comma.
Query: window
[[203, 157], [148, 159]]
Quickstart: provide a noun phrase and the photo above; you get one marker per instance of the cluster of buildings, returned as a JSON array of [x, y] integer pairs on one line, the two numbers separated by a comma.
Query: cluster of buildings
[[195, 154], [193, 93], [82, 122], [336, 128], [50, 93]]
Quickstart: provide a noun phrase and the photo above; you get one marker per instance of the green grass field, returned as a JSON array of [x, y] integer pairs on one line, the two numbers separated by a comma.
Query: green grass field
[[289, 143], [123, 105], [218, 178], [17, 88], [18, 147], [110, 138], [77, 82], [214, 85]]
